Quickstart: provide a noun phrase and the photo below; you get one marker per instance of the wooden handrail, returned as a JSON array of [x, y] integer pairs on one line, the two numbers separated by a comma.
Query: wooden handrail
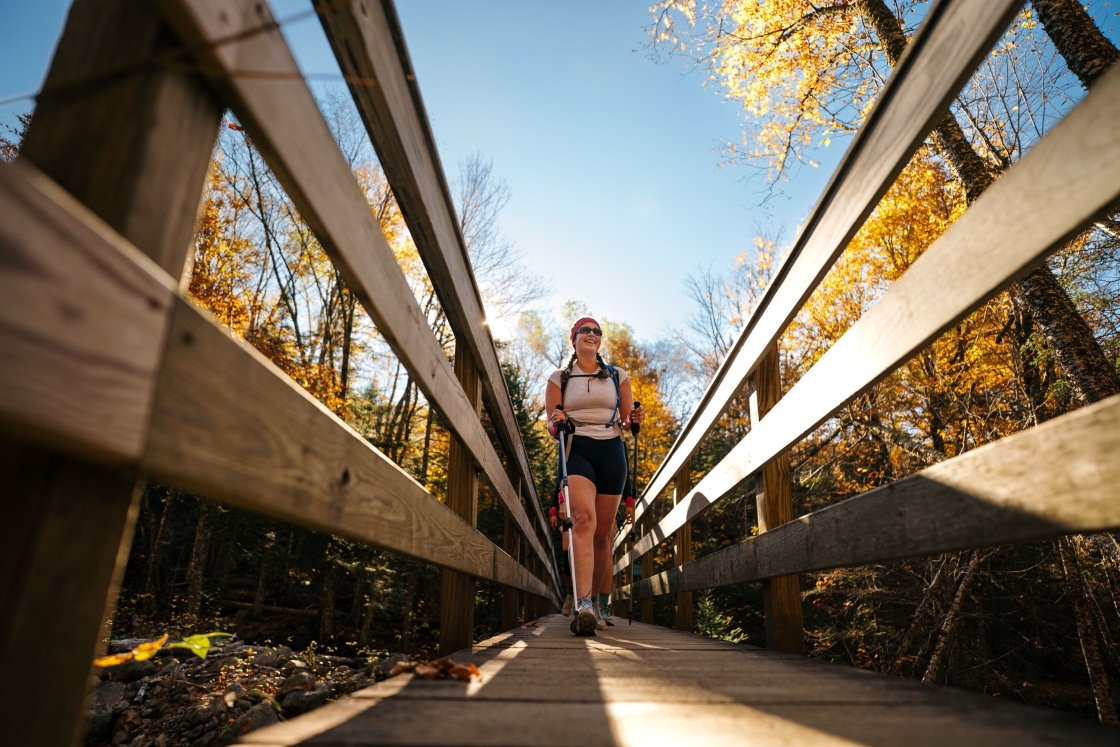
[[153, 383], [369, 45], [991, 496], [1059, 187], [952, 40], [242, 51]]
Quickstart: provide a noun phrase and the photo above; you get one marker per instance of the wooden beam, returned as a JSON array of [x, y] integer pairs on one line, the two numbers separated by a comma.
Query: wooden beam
[[781, 596], [130, 139], [511, 544], [647, 570], [1059, 187], [952, 40], [456, 612], [683, 550], [994, 495], [224, 421], [240, 47], [369, 45]]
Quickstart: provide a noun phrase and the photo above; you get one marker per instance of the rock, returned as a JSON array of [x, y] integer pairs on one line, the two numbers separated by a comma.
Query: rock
[[291, 666], [272, 657], [119, 738], [129, 722], [134, 670], [212, 724], [298, 681], [162, 740], [386, 665], [302, 701], [108, 694], [205, 739], [244, 704], [255, 718], [204, 713]]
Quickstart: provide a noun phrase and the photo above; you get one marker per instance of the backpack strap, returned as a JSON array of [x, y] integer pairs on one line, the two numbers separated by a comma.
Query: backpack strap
[[617, 395]]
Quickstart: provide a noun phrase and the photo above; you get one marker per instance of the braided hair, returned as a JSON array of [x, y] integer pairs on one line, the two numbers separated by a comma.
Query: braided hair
[[566, 373]]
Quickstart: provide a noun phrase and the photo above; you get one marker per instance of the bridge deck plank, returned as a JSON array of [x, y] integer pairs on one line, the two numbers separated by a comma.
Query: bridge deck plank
[[645, 685]]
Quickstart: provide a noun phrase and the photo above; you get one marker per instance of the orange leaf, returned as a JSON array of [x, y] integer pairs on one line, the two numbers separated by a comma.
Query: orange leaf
[[530, 624], [427, 670], [402, 666], [445, 665], [145, 651], [113, 660], [460, 672]]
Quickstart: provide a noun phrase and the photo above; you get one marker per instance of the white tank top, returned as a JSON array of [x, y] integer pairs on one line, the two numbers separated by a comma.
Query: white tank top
[[590, 401]]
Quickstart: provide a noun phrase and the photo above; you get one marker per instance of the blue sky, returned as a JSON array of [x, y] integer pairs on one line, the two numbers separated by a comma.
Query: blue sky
[[616, 194]]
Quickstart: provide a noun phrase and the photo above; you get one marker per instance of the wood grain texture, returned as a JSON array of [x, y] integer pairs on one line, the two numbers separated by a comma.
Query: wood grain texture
[[682, 550], [1060, 186], [83, 316], [781, 596], [369, 45], [65, 529], [994, 495], [953, 38], [125, 133], [456, 607], [639, 685], [241, 48], [230, 425]]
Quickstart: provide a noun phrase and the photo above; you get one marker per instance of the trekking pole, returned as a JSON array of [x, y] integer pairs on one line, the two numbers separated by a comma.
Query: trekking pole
[[634, 429], [566, 525]]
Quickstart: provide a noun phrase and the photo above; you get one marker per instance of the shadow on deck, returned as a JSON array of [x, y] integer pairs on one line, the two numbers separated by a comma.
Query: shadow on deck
[[644, 685]]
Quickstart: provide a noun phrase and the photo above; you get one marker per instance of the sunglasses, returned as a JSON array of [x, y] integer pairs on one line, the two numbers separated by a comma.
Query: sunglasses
[[585, 330]]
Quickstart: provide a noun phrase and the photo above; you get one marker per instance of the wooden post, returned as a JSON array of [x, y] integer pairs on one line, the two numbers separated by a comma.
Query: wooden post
[[511, 543], [781, 596], [456, 613], [133, 144], [647, 569], [683, 549]]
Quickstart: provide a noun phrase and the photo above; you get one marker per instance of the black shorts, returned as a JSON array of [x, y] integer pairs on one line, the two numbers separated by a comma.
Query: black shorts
[[603, 462]]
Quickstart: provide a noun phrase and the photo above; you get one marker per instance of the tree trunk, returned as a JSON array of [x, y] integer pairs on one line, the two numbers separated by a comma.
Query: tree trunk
[[154, 554], [406, 624], [948, 628], [326, 618], [267, 553], [920, 612], [1087, 52], [198, 557], [1077, 353], [1087, 633]]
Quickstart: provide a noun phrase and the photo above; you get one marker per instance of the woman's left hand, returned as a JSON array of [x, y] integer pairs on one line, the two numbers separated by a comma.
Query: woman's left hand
[[637, 415]]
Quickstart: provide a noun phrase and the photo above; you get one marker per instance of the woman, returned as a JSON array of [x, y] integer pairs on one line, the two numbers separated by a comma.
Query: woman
[[597, 403]]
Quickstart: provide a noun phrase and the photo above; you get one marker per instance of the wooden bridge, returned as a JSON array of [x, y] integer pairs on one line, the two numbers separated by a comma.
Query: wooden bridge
[[109, 376]]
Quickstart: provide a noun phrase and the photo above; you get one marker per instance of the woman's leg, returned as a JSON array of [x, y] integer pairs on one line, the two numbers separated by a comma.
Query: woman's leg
[[606, 506], [581, 491]]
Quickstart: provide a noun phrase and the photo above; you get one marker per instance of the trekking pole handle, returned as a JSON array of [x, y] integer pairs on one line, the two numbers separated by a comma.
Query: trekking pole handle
[[635, 427], [561, 426]]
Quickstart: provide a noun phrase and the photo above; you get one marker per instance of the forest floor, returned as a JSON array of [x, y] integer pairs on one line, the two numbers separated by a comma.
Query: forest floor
[[177, 698]]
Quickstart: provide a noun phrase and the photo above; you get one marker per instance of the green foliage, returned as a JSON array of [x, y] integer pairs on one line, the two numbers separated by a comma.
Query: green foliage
[[199, 644]]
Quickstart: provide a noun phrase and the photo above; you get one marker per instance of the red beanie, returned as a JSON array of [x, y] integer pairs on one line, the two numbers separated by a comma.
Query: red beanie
[[578, 324]]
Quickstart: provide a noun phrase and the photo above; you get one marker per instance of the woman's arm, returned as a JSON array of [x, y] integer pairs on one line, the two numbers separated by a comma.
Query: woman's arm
[[626, 410], [551, 400]]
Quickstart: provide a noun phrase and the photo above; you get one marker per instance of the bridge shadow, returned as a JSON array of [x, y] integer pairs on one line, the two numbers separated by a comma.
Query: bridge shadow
[[538, 687], [643, 686]]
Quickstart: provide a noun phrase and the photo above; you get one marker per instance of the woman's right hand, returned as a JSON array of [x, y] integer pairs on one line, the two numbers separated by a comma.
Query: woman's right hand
[[556, 416]]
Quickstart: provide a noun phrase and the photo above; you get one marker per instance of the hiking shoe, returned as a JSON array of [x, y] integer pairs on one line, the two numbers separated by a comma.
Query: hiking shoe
[[605, 614], [600, 624], [566, 610], [584, 621]]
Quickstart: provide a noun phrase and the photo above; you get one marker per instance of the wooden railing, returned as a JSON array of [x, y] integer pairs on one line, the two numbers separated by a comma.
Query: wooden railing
[[1054, 479], [109, 375]]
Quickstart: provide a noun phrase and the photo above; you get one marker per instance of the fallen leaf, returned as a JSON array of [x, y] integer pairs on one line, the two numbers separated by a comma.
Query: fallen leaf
[[530, 624], [445, 665], [402, 666], [427, 670], [465, 673], [145, 651], [199, 644], [113, 660]]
